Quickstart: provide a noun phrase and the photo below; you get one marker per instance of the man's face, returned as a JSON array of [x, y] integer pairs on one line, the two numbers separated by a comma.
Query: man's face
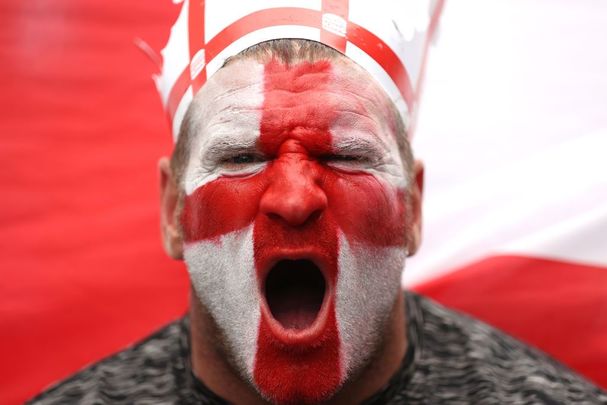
[[294, 220]]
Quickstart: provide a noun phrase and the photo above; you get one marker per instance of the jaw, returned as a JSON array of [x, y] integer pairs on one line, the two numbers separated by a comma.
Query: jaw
[[307, 357]]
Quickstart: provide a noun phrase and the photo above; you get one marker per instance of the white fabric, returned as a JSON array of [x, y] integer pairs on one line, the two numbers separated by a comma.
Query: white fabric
[[175, 56], [513, 132], [402, 26]]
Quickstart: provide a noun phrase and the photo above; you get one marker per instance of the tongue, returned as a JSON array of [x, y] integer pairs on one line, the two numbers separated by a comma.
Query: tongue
[[294, 291]]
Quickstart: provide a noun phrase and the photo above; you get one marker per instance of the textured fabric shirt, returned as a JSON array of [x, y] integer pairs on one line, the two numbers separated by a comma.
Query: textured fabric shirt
[[451, 359]]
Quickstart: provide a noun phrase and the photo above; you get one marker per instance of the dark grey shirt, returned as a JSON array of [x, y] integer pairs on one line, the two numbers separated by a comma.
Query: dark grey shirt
[[451, 359]]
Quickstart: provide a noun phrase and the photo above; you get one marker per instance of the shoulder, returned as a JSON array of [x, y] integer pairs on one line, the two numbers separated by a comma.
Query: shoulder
[[461, 357], [144, 370]]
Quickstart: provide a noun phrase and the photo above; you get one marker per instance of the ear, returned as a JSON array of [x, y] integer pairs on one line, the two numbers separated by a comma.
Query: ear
[[169, 198], [416, 191]]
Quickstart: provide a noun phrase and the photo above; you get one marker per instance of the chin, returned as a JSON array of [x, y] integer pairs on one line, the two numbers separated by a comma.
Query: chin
[[307, 390]]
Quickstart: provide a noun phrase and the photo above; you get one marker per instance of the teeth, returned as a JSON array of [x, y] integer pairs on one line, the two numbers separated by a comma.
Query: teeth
[[294, 291]]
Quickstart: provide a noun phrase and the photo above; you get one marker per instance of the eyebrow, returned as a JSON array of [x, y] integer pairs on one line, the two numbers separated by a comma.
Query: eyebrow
[[221, 144], [361, 146]]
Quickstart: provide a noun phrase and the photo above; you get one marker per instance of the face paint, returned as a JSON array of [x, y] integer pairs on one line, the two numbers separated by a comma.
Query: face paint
[[294, 221]]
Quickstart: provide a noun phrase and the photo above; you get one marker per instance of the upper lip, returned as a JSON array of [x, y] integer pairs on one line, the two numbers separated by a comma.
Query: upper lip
[[318, 259]]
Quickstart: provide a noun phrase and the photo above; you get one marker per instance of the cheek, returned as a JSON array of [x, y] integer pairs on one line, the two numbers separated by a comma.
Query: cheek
[[367, 209], [222, 273], [222, 206]]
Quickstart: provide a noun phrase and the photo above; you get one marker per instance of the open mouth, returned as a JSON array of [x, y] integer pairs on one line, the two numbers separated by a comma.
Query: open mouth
[[295, 291]]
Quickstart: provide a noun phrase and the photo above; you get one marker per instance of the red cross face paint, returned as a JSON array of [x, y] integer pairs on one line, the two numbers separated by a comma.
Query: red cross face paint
[[294, 220]]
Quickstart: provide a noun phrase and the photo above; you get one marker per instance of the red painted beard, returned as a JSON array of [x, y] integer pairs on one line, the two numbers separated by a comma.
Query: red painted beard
[[326, 233]]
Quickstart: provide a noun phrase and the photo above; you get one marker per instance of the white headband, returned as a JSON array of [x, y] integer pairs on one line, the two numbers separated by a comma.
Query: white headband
[[388, 38]]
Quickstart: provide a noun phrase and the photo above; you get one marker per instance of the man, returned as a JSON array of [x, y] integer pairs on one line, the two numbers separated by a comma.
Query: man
[[294, 199]]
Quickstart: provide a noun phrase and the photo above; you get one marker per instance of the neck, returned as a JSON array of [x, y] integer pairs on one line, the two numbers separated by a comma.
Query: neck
[[209, 360]]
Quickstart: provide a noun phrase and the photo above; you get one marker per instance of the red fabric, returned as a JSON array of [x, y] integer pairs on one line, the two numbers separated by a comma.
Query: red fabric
[[83, 272], [557, 306], [196, 39]]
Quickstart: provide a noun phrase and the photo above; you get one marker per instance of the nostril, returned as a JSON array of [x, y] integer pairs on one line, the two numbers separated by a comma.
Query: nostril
[[274, 217], [314, 216], [295, 220]]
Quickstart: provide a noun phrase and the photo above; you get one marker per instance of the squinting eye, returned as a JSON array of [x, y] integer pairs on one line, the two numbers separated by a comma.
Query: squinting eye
[[343, 158], [242, 159], [347, 158]]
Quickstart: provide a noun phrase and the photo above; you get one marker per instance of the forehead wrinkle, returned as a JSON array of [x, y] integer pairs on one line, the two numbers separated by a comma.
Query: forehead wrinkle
[[372, 124], [298, 77], [358, 83], [352, 75], [297, 83], [212, 115], [238, 75], [290, 99], [316, 100], [227, 120], [230, 113], [228, 82], [224, 129], [374, 99], [233, 94], [370, 108], [348, 121], [353, 112], [234, 90], [231, 99]]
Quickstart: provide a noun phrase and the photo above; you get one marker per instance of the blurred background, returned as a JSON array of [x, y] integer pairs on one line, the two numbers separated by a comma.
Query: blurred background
[[512, 129]]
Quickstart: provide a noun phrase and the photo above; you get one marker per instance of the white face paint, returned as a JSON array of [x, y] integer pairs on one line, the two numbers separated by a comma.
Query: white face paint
[[223, 275], [224, 118], [295, 170], [225, 122], [365, 298]]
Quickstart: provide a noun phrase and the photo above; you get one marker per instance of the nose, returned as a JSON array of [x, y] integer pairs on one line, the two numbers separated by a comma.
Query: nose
[[294, 195]]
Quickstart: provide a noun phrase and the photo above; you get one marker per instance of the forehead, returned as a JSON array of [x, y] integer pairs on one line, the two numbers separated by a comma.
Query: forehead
[[234, 96]]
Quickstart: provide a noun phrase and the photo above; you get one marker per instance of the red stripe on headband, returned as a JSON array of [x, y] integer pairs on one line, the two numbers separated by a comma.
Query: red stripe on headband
[[196, 44], [196, 26], [258, 20], [176, 94], [377, 49], [332, 33], [359, 36]]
